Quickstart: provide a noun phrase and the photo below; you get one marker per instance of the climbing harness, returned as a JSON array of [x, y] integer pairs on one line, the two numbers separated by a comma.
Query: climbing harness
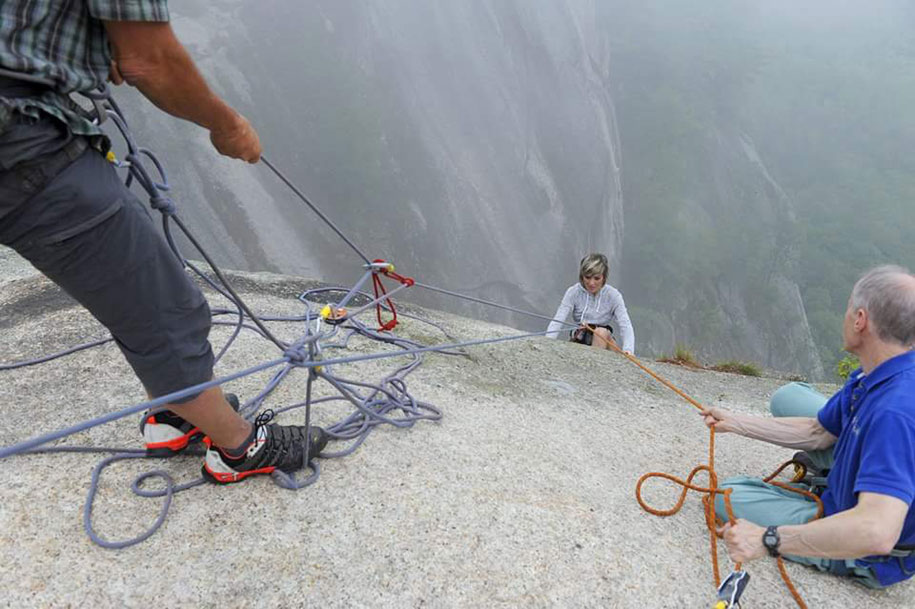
[[808, 474], [709, 492]]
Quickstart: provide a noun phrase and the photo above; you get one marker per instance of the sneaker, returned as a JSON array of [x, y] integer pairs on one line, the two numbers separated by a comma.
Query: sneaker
[[274, 447], [166, 434]]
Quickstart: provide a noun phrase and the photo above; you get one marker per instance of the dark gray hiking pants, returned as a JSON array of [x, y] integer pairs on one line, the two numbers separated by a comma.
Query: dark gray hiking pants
[[64, 208]]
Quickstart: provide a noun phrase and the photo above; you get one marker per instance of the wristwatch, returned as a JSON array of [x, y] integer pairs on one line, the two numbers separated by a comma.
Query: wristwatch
[[771, 540]]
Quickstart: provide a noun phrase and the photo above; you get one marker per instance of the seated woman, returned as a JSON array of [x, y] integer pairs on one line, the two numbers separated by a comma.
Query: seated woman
[[594, 303]]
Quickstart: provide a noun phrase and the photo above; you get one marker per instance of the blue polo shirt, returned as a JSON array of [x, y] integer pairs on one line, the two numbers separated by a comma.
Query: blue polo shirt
[[873, 417]]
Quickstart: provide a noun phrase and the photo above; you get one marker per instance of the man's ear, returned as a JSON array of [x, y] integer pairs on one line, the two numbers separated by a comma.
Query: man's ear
[[860, 320]]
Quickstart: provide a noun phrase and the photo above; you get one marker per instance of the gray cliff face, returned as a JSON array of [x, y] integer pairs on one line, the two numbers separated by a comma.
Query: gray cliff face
[[777, 333], [744, 306], [474, 144]]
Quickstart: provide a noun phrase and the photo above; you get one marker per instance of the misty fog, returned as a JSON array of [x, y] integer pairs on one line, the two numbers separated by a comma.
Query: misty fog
[[740, 163]]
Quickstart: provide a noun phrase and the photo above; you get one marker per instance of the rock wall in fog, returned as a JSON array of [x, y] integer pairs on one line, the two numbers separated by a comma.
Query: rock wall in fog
[[475, 144]]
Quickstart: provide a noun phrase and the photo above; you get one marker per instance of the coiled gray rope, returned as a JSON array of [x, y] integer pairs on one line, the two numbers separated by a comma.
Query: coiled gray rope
[[378, 405]]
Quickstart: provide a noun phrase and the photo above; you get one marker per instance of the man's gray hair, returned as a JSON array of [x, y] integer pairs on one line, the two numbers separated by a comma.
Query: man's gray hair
[[887, 293]]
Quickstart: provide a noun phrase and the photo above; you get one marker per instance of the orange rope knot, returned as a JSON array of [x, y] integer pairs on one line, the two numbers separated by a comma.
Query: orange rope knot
[[708, 499]]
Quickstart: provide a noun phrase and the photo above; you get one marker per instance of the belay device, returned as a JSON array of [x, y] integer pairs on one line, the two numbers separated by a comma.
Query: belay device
[[731, 588]]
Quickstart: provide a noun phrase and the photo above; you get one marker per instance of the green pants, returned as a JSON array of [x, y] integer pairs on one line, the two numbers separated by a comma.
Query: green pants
[[768, 505]]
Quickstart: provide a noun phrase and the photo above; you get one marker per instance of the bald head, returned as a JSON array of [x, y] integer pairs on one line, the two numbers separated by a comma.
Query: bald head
[[887, 293]]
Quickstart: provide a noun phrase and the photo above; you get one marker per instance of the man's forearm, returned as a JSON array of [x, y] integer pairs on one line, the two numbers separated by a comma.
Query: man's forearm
[[177, 87], [847, 534], [799, 433], [164, 72]]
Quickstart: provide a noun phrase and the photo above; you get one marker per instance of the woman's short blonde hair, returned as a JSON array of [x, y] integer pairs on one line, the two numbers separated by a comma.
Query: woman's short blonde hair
[[591, 265]]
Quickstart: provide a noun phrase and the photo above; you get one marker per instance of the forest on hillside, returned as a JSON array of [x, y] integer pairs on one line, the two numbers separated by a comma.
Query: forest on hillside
[[825, 94]]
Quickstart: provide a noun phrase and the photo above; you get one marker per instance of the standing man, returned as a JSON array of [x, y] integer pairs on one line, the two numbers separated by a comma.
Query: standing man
[[63, 208], [864, 435]]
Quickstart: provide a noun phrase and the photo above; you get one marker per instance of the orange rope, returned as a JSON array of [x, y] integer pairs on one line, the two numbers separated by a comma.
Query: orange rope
[[708, 500]]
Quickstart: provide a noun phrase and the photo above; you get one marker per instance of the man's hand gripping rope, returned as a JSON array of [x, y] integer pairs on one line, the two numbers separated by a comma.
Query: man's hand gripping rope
[[734, 531]]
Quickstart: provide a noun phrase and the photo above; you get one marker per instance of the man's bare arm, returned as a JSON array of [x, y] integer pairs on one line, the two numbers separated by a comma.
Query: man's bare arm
[[148, 56], [870, 528], [873, 526], [799, 433]]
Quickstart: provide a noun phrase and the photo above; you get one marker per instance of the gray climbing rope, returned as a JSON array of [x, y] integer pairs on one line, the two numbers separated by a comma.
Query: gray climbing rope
[[387, 402]]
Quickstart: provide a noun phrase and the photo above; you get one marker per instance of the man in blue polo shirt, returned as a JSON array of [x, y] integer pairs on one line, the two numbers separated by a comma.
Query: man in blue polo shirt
[[864, 435]]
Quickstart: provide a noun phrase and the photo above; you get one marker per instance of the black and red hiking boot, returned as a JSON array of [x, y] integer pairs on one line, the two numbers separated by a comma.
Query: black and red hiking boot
[[274, 447], [166, 434]]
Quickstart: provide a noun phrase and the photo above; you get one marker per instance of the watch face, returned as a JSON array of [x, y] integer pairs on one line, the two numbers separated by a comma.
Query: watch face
[[770, 540]]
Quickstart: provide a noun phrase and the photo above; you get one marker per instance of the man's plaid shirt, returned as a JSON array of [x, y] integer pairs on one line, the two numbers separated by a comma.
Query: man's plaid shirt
[[65, 41]]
